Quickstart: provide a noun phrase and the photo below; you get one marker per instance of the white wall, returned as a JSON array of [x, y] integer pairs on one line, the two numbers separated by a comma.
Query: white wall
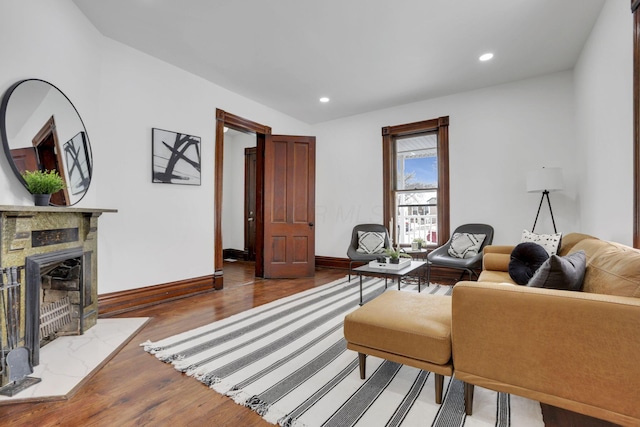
[[162, 233], [496, 135], [604, 123], [51, 41]]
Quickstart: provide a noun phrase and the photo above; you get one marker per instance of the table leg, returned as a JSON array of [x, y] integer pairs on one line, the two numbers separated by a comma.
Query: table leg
[[360, 289], [399, 282]]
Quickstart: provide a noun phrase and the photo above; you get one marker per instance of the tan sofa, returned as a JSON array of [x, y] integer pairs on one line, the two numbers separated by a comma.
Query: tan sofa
[[574, 350]]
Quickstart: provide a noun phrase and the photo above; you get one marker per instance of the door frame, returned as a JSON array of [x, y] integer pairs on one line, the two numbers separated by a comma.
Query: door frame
[[49, 130], [226, 119]]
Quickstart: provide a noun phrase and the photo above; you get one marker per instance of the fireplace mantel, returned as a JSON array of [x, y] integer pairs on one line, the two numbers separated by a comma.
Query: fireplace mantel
[[60, 209], [33, 235]]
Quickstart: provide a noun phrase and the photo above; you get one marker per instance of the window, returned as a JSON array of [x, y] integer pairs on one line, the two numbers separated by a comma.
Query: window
[[416, 181]]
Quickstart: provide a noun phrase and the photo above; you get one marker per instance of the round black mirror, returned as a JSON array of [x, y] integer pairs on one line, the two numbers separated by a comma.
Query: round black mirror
[[41, 129]]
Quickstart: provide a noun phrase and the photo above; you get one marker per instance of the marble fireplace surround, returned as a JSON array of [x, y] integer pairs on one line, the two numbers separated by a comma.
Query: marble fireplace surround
[[34, 236]]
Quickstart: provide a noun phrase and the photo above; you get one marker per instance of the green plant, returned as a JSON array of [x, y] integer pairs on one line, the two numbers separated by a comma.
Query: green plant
[[43, 182], [420, 240], [395, 254]]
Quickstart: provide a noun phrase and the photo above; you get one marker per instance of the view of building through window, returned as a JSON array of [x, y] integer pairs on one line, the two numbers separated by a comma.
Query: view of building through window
[[416, 188]]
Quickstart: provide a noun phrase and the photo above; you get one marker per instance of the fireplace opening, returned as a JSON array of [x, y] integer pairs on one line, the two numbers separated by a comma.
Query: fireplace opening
[[60, 288]]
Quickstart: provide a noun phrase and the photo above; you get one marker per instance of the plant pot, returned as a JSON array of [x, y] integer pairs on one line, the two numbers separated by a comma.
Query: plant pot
[[394, 260], [41, 199]]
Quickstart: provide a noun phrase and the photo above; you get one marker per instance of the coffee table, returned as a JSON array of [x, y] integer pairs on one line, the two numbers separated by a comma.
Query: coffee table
[[367, 270]]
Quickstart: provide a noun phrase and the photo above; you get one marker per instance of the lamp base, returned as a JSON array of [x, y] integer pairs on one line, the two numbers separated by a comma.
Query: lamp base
[[545, 193]]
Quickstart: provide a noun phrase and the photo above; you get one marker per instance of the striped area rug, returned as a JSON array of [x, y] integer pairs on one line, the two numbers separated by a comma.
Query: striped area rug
[[287, 360]]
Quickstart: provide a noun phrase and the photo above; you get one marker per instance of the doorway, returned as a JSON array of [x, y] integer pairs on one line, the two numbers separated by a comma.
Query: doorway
[[250, 164], [49, 157], [239, 194], [231, 121], [284, 189]]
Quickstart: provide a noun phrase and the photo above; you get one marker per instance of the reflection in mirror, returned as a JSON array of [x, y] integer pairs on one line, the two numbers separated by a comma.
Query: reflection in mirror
[[41, 129], [238, 194]]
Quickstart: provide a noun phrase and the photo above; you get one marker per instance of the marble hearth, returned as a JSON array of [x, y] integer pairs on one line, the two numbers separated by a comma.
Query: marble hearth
[[37, 239]]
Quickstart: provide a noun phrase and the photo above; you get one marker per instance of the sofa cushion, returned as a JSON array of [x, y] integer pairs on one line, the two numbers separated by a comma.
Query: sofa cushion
[[566, 273], [526, 258], [465, 245], [495, 276], [551, 242], [612, 268], [370, 242]]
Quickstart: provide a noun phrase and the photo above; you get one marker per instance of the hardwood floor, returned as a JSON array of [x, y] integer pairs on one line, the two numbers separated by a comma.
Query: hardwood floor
[[134, 389]]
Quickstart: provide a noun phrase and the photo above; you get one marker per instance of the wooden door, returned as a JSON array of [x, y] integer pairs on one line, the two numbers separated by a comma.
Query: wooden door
[[289, 206], [250, 203], [25, 159]]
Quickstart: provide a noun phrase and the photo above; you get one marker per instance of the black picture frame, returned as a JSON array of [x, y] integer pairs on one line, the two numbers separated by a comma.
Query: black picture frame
[[78, 163], [176, 158]]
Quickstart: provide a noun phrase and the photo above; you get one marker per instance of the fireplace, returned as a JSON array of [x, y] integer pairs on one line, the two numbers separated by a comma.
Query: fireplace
[[44, 289], [54, 251]]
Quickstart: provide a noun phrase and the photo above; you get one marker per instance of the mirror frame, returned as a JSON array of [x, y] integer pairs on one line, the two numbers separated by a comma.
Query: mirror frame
[[5, 140]]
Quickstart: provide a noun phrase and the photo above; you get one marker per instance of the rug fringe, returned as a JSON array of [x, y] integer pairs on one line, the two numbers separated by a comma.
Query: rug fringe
[[257, 405], [288, 421]]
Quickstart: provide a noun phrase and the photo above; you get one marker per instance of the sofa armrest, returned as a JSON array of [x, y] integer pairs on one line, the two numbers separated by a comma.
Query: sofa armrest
[[496, 257], [498, 249], [574, 350]]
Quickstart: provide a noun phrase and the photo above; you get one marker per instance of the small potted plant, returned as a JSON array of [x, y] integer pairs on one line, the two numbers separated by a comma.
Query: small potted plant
[[395, 255], [419, 241], [42, 184]]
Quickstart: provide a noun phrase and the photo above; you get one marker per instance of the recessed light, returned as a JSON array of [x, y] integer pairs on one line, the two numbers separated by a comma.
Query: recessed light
[[486, 57], [324, 99]]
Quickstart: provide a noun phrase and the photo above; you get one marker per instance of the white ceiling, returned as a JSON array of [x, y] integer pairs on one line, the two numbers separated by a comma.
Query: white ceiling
[[363, 54]]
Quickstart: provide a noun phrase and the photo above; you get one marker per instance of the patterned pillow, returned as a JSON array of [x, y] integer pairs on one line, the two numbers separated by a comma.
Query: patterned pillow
[[551, 242], [465, 245], [370, 242]]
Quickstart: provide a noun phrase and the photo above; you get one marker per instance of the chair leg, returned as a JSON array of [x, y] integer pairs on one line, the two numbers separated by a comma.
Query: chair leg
[[468, 398], [350, 263], [362, 361], [439, 380]]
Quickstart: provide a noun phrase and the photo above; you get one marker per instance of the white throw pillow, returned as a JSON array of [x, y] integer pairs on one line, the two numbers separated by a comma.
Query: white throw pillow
[[550, 242], [465, 245], [370, 242]]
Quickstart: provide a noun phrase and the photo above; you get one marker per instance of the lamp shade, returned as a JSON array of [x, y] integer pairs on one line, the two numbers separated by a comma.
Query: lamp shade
[[549, 179]]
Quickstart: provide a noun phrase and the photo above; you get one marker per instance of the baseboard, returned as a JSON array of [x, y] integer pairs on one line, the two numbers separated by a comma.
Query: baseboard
[[120, 302], [332, 262], [115, 303], [235, 254]]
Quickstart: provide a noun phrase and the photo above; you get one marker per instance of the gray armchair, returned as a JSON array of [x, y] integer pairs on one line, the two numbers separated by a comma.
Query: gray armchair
[[441, 258], [352, 251]]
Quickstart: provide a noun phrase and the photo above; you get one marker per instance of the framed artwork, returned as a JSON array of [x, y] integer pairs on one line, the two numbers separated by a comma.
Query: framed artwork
[[176, 157], [78, 163]]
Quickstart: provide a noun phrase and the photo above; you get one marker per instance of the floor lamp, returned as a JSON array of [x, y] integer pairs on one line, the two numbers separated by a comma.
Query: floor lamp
[[545, 180]]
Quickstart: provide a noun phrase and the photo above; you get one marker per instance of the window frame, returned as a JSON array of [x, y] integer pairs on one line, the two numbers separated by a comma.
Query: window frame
[[389, 135]]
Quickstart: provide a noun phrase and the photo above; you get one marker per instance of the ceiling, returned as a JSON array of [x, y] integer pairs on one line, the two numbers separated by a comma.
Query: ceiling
[[364, 55]]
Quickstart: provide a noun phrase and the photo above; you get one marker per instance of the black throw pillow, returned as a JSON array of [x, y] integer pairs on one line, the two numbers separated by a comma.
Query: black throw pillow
[[526, 258], [566, 273]]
